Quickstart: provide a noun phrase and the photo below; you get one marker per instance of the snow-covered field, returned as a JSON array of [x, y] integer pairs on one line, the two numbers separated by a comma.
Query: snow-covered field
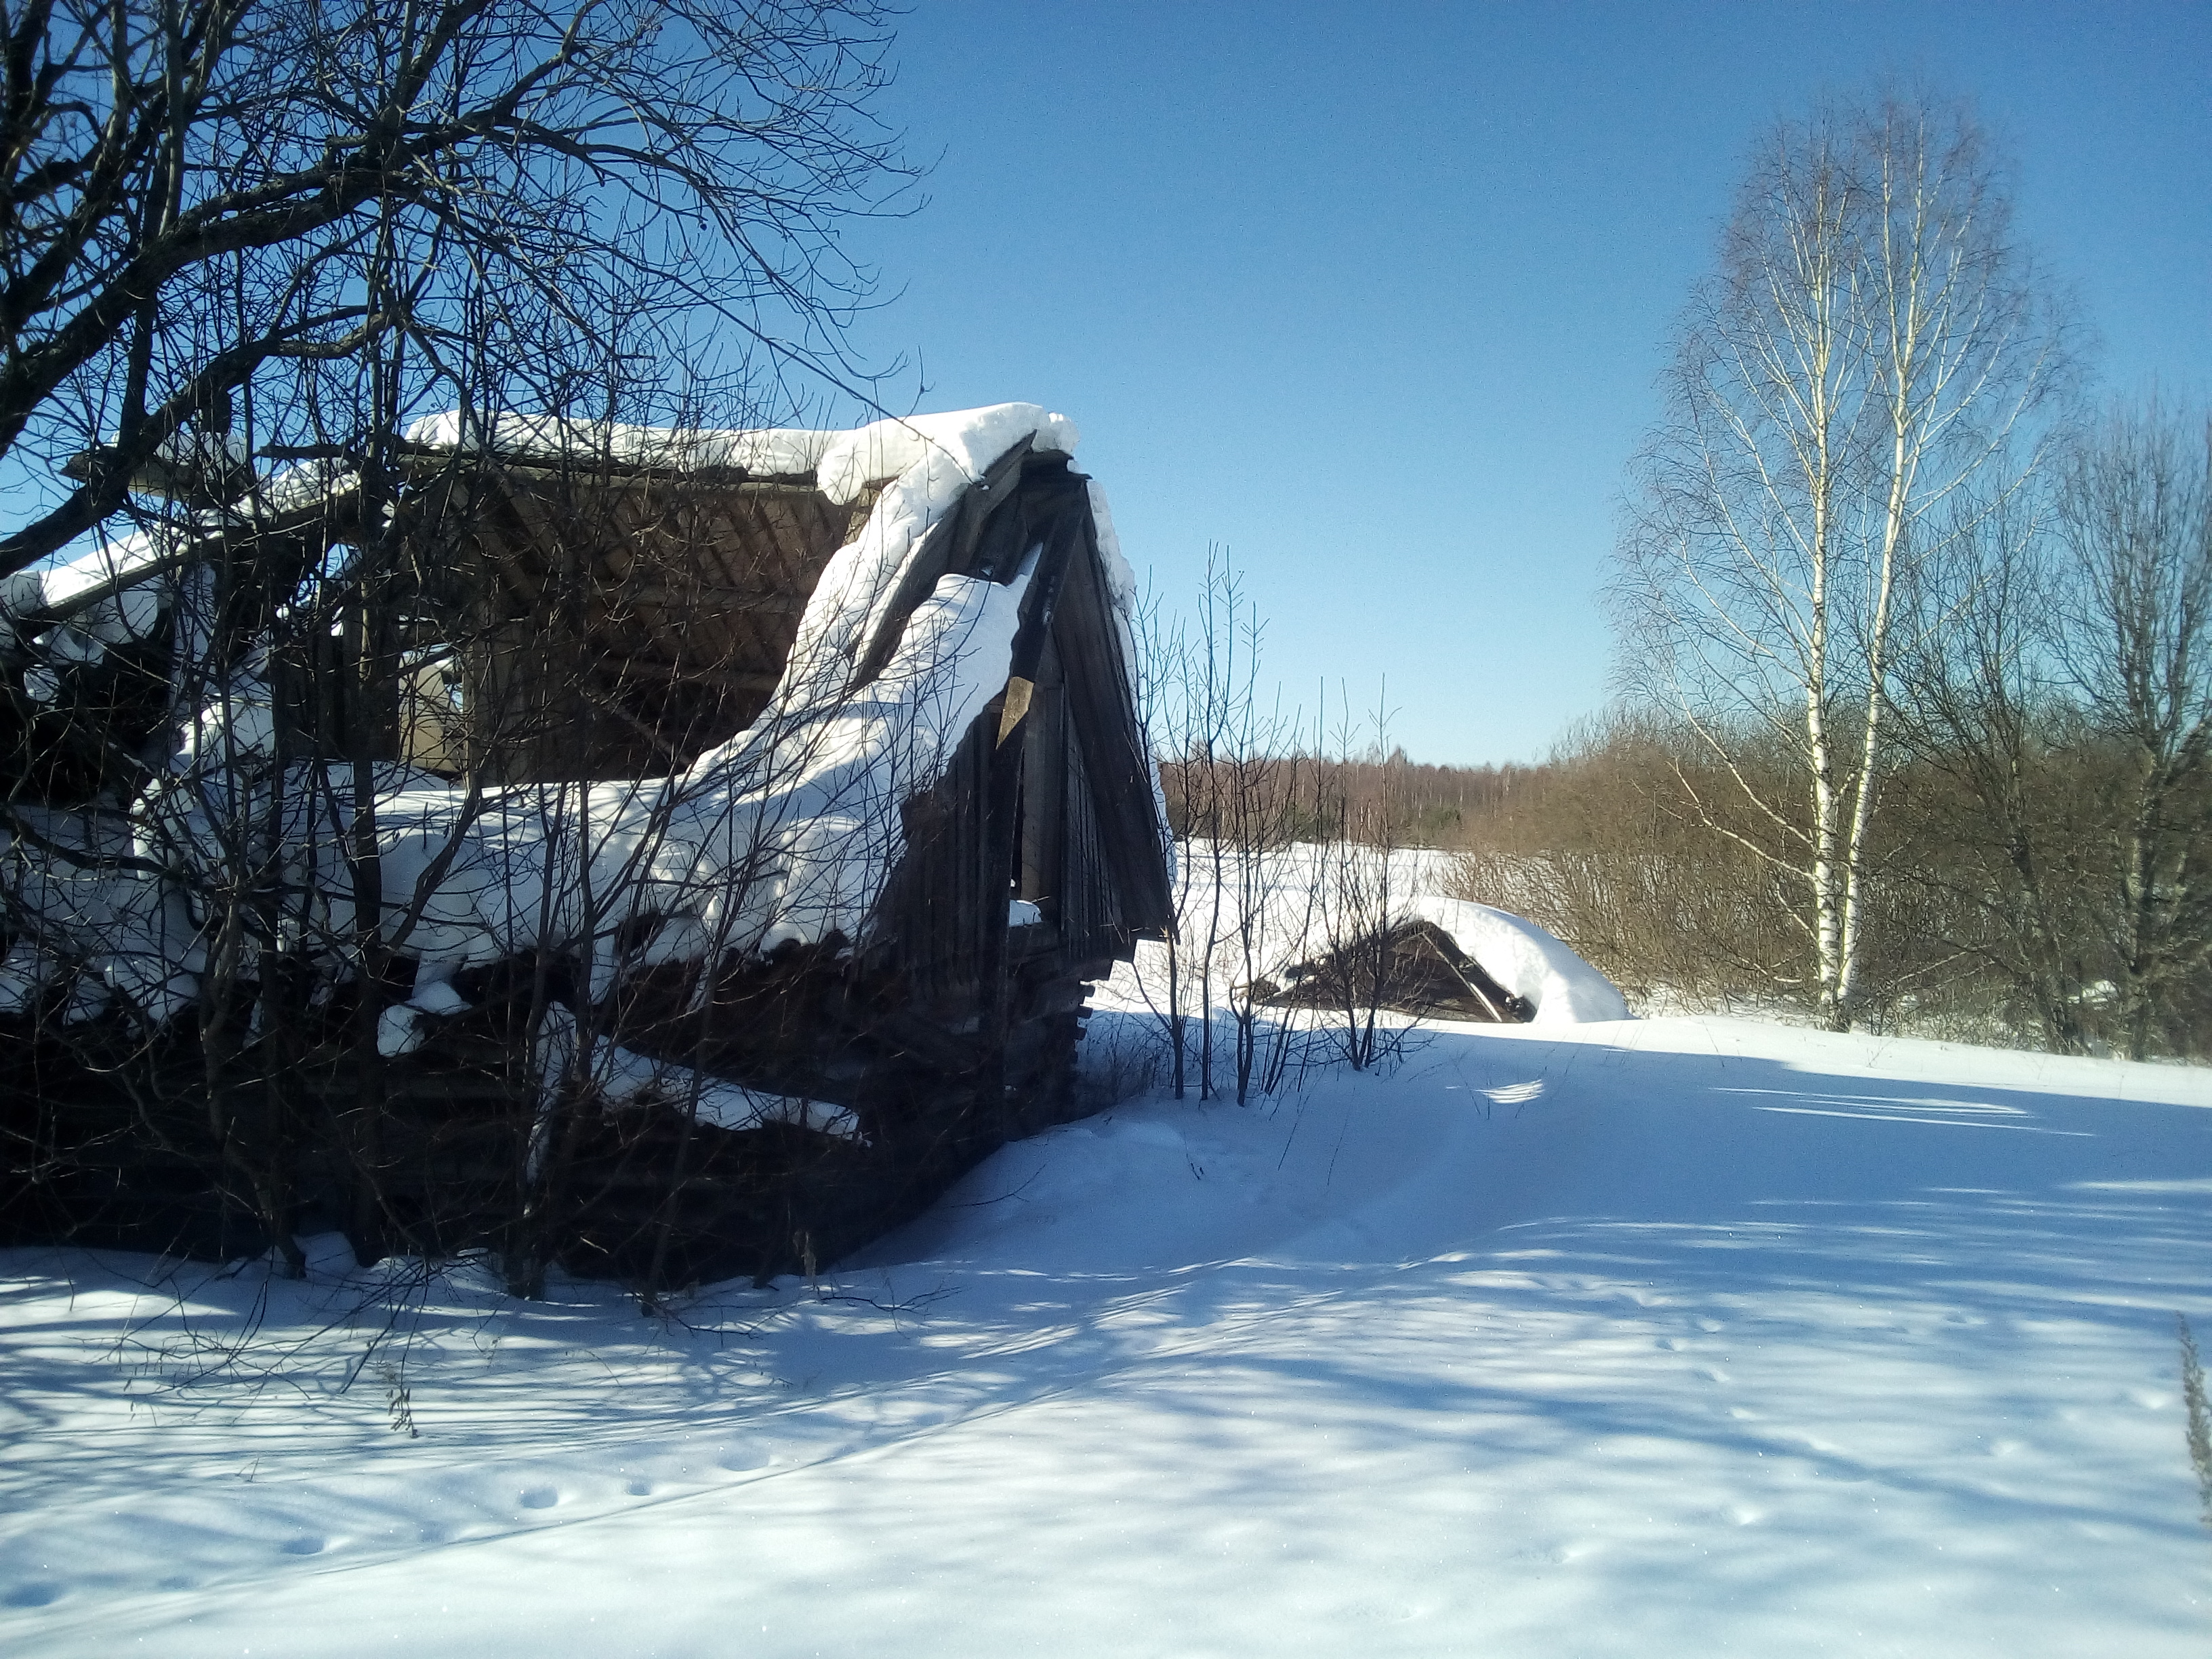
[[1685, 1336]]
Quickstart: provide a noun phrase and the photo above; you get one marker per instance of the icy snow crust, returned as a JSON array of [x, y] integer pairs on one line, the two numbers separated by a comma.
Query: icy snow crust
[[1648, 1339], [785, 833]]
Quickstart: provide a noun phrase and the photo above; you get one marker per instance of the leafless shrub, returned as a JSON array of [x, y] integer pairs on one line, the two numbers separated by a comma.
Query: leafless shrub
[[1611, 852], [2199, 1419], [1242, 795]]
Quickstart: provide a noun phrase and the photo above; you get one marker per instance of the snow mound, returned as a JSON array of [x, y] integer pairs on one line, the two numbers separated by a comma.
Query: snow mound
[[1528, 962]]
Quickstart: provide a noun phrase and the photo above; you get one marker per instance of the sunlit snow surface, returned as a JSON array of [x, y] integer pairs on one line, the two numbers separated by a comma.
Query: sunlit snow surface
[[1677, 1337]]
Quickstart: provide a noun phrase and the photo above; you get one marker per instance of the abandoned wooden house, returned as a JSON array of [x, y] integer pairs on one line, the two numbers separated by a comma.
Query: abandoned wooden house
[[668, 855]]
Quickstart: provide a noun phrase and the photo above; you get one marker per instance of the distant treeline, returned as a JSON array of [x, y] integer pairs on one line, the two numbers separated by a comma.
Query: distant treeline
[[1412, 804], [2048, 913], [1635, 844]]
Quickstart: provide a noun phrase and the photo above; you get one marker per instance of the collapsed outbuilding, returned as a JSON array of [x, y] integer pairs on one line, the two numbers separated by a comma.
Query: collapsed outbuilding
[[666, 853], [1411, 967]]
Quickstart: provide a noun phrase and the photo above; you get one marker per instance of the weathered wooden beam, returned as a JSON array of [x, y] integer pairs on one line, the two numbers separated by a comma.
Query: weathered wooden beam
[[685, 673], [598, 472]]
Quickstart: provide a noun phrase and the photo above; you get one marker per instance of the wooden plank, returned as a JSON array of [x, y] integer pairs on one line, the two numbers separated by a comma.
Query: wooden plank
[[680, 673], [718, 597]]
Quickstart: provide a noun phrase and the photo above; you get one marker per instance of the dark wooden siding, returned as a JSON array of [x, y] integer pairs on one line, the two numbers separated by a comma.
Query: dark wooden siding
[[930, 924], [1074, 829], [1092, 926]]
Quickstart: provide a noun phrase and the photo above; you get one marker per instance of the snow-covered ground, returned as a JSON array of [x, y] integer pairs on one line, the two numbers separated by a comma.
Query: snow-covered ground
[[1685, 1336]]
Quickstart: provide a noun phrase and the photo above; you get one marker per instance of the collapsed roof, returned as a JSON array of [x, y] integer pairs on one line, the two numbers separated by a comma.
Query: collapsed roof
[[693, 675]]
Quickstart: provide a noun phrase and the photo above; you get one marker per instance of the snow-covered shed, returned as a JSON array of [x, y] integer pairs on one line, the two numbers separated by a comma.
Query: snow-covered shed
[[1413, 966], [673, 853]]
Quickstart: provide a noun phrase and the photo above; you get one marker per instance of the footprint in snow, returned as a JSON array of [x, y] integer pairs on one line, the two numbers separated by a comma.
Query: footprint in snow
[[740, 1457], [539, 1498], [306, 1544], [33, 1595]]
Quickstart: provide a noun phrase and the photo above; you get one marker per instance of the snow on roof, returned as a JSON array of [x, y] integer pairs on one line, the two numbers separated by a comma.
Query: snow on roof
[[771, 452], [925, 462], [955, 448], [126, 562], [803, 802], [962, 442]]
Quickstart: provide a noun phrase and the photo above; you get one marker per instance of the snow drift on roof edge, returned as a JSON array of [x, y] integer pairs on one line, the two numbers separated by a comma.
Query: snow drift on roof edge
[[844, 463], [935, 456]]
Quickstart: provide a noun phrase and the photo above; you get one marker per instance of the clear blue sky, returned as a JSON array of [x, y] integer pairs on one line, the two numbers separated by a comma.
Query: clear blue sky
[[1375, 295]]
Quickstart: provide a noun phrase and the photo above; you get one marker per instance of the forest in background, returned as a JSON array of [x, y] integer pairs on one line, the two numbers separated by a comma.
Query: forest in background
[[1604, 843]]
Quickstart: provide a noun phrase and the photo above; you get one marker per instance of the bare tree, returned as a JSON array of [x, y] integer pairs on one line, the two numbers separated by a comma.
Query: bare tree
[[1872, 341], [1995, 798], [1242, 785], [1239, 792], [1164, 676], [2053, 697], [1360, 895], [248, 246], [2134, 627], [200, 201]]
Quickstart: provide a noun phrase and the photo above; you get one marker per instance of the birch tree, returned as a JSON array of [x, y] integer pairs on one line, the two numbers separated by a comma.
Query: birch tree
[[1871, 341]]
